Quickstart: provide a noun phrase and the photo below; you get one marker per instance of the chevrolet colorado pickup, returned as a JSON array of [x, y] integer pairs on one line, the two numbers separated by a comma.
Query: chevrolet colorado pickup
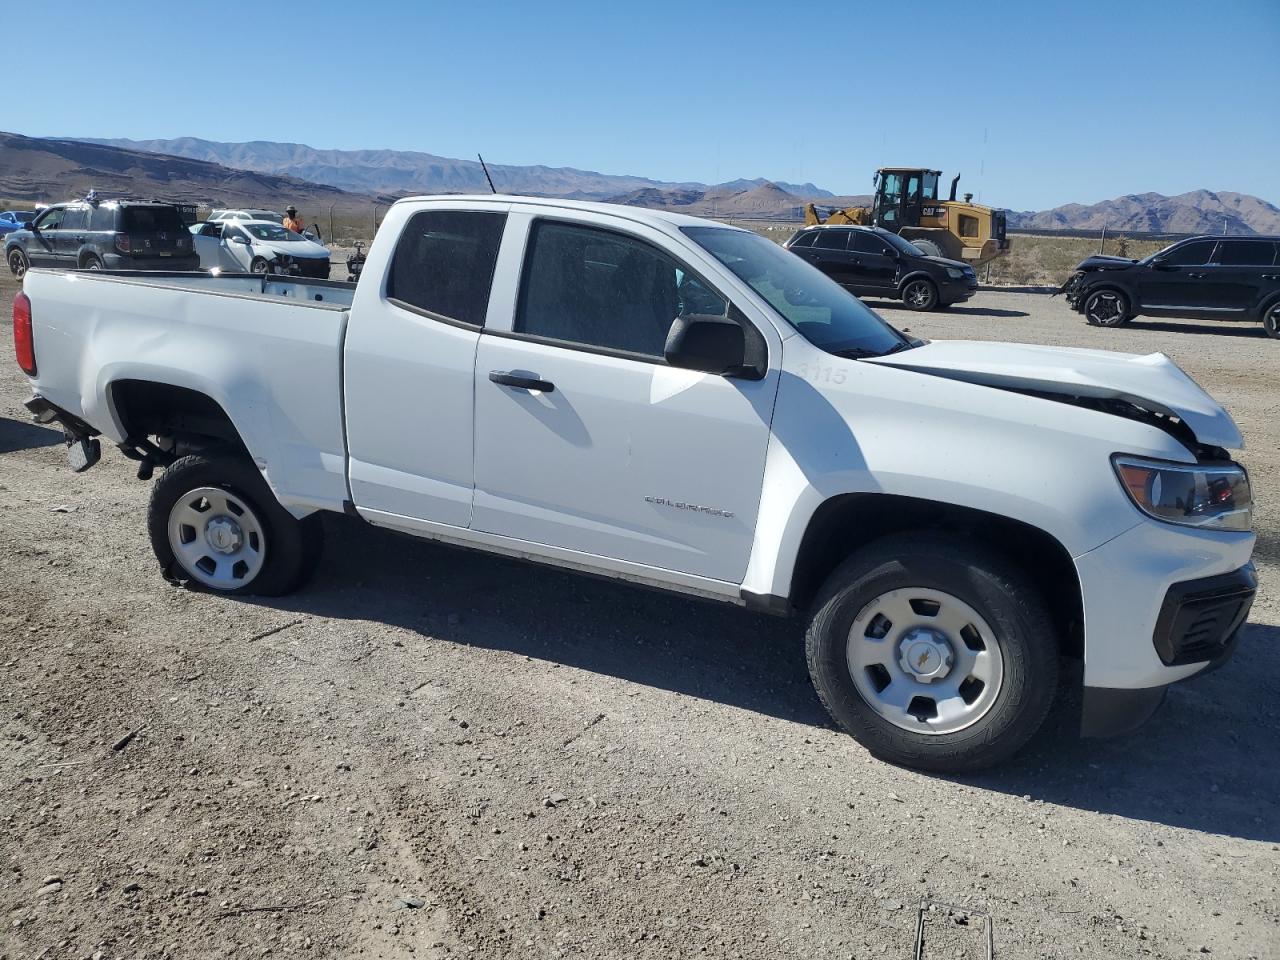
[[686, 405]]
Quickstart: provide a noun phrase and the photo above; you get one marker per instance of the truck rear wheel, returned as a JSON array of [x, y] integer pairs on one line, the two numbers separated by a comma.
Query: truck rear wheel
[[933, 653], [928, 248], [214, 521]]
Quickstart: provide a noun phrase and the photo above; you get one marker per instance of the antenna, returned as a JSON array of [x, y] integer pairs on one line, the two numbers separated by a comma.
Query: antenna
[[486, 173]]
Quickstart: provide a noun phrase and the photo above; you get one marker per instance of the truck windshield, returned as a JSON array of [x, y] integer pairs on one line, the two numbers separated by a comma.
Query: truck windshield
[[818, 307]]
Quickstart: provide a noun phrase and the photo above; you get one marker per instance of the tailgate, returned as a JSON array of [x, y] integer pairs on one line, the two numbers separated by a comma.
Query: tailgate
[[155, 232]]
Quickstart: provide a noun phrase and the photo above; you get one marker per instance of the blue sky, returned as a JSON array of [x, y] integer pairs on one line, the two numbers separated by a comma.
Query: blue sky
[[1035, 103]]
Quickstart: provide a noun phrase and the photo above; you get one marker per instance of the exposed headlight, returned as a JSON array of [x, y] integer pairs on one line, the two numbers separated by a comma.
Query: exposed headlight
[[955, 273], [1215, 497]]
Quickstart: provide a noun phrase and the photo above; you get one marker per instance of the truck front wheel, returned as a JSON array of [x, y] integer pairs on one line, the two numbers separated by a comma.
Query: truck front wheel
[[214, 521], [933, 653]]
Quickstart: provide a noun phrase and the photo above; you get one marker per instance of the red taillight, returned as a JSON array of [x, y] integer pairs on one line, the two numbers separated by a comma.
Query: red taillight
[[123, 244], [24, 345]]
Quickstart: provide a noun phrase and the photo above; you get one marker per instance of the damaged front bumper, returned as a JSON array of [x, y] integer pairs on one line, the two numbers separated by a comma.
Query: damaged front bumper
[[1071, 289]]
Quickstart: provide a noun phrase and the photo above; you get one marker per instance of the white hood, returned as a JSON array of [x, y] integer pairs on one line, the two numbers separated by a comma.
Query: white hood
[[294, 248], [1153, 381]]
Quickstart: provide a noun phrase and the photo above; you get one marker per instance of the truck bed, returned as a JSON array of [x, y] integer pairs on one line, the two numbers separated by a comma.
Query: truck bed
[[267, 349]]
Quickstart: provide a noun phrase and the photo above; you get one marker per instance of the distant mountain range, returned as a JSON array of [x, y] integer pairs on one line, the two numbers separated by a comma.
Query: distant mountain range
[[37, 169], [1200, 211], [408, 172], [272, 174]]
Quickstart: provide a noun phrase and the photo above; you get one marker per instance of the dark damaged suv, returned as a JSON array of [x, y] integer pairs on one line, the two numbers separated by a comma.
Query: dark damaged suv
[[1203, 278], [103, 235], [873, 262]]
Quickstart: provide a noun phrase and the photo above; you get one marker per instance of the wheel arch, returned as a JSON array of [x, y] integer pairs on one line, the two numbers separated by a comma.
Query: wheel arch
[[842, 524], [148, 407], [919, 273]]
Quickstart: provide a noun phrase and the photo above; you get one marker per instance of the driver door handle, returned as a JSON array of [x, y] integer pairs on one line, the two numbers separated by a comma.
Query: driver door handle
[[1196, 276], [519, 382]]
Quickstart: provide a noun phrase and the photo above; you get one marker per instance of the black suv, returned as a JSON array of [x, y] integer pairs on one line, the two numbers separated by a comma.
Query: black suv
[[103, 235], [1204, 278], [872, 262]]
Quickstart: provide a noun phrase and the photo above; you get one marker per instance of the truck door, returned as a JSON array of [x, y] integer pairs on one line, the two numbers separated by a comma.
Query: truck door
[[409, 365], [586, 440]]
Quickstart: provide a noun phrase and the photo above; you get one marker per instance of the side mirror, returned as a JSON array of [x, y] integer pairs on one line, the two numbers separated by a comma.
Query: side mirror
[[710, 344], [241, 240]]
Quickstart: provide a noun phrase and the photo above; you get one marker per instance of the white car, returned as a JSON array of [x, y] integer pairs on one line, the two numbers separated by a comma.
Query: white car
[[684, 404], [258, 246], [273, 216]]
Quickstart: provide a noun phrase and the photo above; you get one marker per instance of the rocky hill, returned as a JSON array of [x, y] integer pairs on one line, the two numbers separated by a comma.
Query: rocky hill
[[408, 172], [1200, 211], [37, 169], [746, 199]]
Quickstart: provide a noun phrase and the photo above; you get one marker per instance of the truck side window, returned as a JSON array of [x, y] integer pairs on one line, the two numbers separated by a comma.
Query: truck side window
[[443, 264], [103, 219], [583, 285]]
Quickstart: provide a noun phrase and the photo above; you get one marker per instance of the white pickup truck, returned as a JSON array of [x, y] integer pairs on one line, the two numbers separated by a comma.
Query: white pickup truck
[[685, 405]]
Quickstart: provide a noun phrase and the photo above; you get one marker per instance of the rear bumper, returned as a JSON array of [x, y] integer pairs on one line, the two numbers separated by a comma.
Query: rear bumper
[[116, 261]]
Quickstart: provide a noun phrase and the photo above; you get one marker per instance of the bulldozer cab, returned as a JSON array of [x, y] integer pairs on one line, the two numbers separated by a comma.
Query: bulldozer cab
[[904, 196]]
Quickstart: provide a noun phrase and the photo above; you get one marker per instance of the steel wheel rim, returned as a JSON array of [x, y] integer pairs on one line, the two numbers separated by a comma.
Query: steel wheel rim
[[918, 293], [903, 637], [1112, 300], [217, 537]]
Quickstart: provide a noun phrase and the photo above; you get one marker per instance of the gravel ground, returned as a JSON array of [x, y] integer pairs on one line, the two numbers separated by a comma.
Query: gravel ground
[[433, 753]]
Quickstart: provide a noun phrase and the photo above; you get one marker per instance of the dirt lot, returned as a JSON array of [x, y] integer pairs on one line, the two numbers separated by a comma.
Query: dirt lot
[[431, 753]]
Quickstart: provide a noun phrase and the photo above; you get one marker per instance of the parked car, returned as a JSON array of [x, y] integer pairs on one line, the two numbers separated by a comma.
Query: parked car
[[273, 216], [12, 220], [258, 246], [682, 404], [1203, 278], [106, 235], [873, 262]]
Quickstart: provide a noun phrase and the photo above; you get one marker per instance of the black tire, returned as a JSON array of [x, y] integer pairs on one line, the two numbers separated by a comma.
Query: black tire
[[290, 547], [920, 294], [1106, 308], [92, 262], [1271, 321], [259, 265], [987, 583], [18, 263]]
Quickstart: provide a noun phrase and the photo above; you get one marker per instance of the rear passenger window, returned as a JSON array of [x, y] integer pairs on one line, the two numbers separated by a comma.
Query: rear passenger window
[[832, 239], [1246, 253], [864, 242], [593, 287], [1193, 254], [443, 264], [103, 219]]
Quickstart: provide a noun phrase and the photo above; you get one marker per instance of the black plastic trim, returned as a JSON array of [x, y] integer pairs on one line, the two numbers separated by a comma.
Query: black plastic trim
[[769, 603], [1181, 602], [1111, 712]]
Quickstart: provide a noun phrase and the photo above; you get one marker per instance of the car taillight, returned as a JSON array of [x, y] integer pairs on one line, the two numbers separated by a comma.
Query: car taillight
[[123, 243], [24, 344]]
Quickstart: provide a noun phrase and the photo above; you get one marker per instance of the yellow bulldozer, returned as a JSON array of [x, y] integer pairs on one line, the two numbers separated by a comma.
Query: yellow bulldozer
[[907, 202]]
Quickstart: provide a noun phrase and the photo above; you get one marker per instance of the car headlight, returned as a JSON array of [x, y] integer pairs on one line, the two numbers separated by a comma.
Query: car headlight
[[955, 273], [1212, 496]]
